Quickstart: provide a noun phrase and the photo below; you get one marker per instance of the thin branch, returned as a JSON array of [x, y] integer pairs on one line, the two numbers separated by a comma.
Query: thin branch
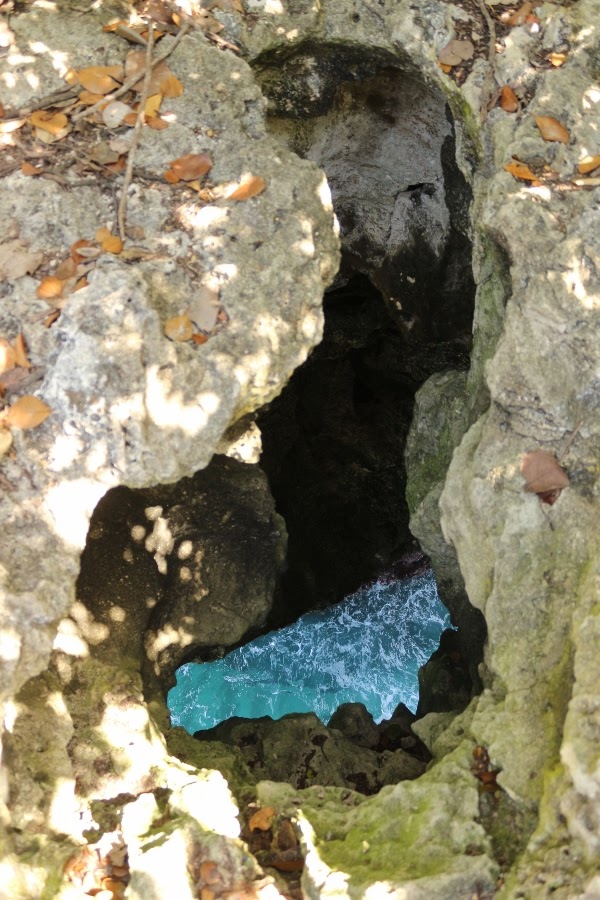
[[132, 81], [139, 122]]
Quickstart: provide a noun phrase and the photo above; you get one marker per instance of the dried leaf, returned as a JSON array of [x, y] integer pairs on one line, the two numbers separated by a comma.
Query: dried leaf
[[88, 98], [101, 79], [134, 254], [179, 329], [110, 243], [455, 52], [54, 123], [28, 169], [21, 352], [171, 177], [5, 441], [130, 119], [8, 357], [80, 283], [249, 186], [17, 260], [114, 113], [78, 248], [508, 99], [198, 338], [51, 318], [557, 59], [519, 17], [45, 137], [152, 105], [11, 125], [542, 473], [135, 64], [520, 170], [191, 166], [552, 130], [117, 166], [27, 412], [588, 164], [157, 124], [66, 269], [262, 819], [171, 87], [50, 288]]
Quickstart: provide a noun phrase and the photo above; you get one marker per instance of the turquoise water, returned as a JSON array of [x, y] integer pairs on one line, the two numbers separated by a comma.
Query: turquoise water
[[368, 648]]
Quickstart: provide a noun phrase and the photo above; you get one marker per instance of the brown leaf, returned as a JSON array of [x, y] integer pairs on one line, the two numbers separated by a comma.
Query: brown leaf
[[78, 246], [16, 260], [520, 170], [157, 124], [28, 169], [179, 329], [88, 98], [27, 412], [135, 64], [588, 164], [262, 819], [66, 269], [50, 288], [8, 357], [199, 338], [171, 177], [101, 79], [191, 166], [52, 122], [455, 52], [110, 243], [508, 99], [249, 186], [21, 352], [543, 474], [557, 59], [152, 105], [171, 87], [51, 318], [552, 130], [519, 17]]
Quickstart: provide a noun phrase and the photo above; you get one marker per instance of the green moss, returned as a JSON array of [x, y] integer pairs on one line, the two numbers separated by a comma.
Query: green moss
[[214, 755]]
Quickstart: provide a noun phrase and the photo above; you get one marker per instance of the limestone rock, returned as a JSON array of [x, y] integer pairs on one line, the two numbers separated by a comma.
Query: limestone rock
[[356, 724]]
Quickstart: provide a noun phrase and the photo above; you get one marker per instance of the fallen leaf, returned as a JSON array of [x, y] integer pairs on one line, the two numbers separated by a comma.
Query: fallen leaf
[[588, 164], [51, 318], [88, 98], [207, 894], [191, 166], [552, 130], [134, 254], [66, 269], [171, 86], [6, 440], [508, 99], [130, 119], [101, 79], [11, 125], [27, 412], [54, 123], [543, 474], [17, 260], [81, 250], [262, 819], [114, 113], [520, 170], [8, 357], [171, 177], [455, 52], [135, 64], [152, 105], [157, 124], [50, 288], [110, 243], [179, 329], [249, 186], [519, 17], [117, 166], [21, 352], [557, 59], [198, 338], [28, 169]]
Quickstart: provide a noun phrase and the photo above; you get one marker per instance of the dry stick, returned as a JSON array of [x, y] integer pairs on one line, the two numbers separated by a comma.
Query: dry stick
[[132, 81], [486, 89], [141, 118]]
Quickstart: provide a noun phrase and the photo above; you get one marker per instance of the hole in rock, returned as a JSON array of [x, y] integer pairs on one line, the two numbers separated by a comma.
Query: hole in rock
[[367, 649]]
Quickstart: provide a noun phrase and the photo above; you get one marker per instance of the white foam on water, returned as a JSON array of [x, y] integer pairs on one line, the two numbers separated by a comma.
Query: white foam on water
[[368, 648]]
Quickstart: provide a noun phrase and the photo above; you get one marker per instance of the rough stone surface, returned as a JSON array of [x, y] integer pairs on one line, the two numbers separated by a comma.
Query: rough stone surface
[[529, 567], [356, 723]]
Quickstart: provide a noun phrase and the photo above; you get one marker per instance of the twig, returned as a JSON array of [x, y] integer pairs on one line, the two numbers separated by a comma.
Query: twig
[[486, 89], [132, 81], [141, 118]]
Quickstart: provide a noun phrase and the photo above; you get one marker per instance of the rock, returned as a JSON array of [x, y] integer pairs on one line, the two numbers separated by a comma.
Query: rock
[[356, 724], [444, 681], [301, 751]]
